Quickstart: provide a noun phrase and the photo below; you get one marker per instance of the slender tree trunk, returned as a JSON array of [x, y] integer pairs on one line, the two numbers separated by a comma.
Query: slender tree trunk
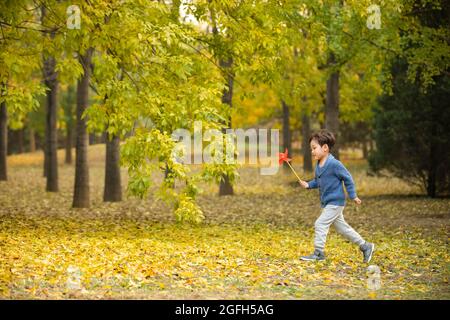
[[45, 158], [20, 148], [11, 147], [32, 139], [225, 187], [365, 149], [113, 187], [69, 138], [69, 113], [103, 137], [306, 133], [81, 189], [51, 143], [432, 162], [371, 145], [3, 140], [44, 147], [168, 171], [51, 132], [287, 142], [91, 139], [332, 105], [431, 183], [12, 142]]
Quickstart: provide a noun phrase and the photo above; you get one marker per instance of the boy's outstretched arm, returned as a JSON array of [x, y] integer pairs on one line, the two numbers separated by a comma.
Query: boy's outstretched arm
[[308, 185], [345, 175], [312, 184]]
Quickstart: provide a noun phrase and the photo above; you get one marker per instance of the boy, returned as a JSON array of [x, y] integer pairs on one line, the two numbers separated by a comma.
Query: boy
[[329, 175]]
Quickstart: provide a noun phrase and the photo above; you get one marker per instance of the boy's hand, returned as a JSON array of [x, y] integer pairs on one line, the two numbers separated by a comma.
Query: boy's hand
[[304, 184], [357, 200]]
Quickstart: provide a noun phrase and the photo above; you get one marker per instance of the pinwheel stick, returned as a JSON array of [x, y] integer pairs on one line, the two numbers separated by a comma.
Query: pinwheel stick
[[293, 171], [283, 157]]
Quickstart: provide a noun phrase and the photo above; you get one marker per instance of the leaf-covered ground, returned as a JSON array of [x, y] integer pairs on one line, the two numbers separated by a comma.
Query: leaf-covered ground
[[247, 248]]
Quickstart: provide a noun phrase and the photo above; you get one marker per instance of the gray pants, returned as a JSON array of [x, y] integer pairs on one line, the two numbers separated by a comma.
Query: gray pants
[[332, 214]]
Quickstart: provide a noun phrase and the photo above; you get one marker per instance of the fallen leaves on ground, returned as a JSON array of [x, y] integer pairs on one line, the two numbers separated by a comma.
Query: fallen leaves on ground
[[247, 248]]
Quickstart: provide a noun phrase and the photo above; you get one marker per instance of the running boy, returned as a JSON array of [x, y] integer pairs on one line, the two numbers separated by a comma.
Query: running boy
[[329, 175]]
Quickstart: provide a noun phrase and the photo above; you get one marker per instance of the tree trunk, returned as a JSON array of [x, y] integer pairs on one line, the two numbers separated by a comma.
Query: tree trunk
[[371, 145], [287, 143], [432, 162], [91, 139], [103, 137], [365, 150], [332, 105], [70, 102], [32, 139], [225, 187], [12, 142], [20, 148], [45, 158], [306, 133], [113, 187], [167, 171], [81, 189], [3, 141], [51, 132], [431, 183], [69, 138]]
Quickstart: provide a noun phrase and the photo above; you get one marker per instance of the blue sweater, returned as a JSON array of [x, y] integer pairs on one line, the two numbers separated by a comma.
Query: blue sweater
[[329, 180]]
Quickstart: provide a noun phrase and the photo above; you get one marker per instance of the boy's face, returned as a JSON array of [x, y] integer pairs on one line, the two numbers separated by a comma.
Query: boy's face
[[318, 151]]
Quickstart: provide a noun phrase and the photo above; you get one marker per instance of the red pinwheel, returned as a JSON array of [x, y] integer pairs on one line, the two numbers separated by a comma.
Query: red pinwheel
[[283, 157]]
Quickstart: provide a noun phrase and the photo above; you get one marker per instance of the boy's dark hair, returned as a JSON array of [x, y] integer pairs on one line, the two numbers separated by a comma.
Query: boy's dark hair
[[324, 137]]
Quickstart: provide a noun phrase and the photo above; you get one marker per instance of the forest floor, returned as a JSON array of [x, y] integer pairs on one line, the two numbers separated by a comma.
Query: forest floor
[[247, 248]]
